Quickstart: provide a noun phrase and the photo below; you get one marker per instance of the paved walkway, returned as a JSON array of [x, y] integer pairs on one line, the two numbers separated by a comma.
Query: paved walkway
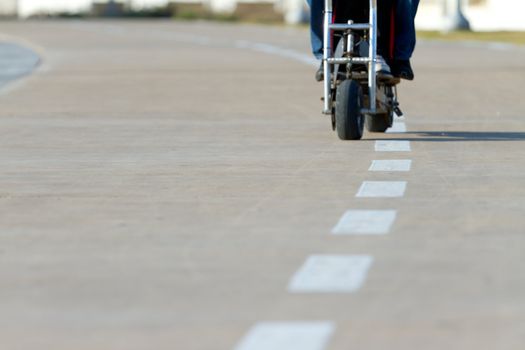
[[170, 185]]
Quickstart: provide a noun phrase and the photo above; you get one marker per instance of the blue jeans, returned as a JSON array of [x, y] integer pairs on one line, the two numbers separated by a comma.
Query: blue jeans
[[316, 27], [405, 28]]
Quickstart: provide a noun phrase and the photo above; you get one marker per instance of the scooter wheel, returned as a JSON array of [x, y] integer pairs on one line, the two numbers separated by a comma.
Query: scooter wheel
[[348, 117]]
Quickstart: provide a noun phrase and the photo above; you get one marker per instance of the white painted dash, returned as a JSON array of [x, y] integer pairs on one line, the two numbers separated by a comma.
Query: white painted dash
[[397, 127], [365, 222], [382, 189], [331, 274], [392, 146], [288, 336], [391, 165]]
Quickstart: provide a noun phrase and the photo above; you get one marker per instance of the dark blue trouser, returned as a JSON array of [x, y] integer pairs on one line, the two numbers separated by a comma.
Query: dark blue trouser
[[405, 28], [316, 27]]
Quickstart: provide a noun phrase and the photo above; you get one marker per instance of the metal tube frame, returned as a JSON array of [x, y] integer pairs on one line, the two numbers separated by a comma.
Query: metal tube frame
[[328, 27], [345, 60], [327, 53], [372, 72], [339, 26]]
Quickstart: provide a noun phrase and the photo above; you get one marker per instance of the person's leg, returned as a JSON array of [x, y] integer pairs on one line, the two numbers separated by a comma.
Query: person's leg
[[405, 38], [415, 5], [316, 27], [405, 28]]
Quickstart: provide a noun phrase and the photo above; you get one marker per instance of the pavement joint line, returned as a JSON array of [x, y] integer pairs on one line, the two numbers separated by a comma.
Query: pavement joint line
[[331, 274], [208, 41], [382, 189], [277, 51], [365, 222], [395, 165], [298, 335], [392, 146]]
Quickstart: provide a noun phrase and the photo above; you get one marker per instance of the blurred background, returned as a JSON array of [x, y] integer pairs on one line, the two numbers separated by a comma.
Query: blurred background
[[481, 15]]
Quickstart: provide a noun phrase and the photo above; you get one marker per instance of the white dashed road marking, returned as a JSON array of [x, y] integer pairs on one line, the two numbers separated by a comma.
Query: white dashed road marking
[[397, 127], [288, 336], [331, 274], [365, 222], [392, 146], [382, 189], [391, 165]]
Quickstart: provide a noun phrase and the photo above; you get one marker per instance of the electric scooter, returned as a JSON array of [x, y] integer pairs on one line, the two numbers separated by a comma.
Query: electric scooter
[[358, 88]]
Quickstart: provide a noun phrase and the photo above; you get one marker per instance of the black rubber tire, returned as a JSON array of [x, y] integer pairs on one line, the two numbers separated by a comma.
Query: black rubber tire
[[348, 117], [379, 122]]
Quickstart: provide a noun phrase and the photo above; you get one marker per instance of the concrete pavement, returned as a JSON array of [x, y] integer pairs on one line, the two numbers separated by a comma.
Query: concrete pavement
[[163, 182]]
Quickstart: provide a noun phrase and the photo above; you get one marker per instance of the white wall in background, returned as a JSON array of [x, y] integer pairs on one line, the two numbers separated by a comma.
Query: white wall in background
[[498, 15], [8, 7], [222, 5], [490, 15], [28, 7], [151, 3]]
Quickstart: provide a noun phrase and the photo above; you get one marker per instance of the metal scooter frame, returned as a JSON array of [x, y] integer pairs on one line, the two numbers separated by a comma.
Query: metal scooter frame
[[328, 59]]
